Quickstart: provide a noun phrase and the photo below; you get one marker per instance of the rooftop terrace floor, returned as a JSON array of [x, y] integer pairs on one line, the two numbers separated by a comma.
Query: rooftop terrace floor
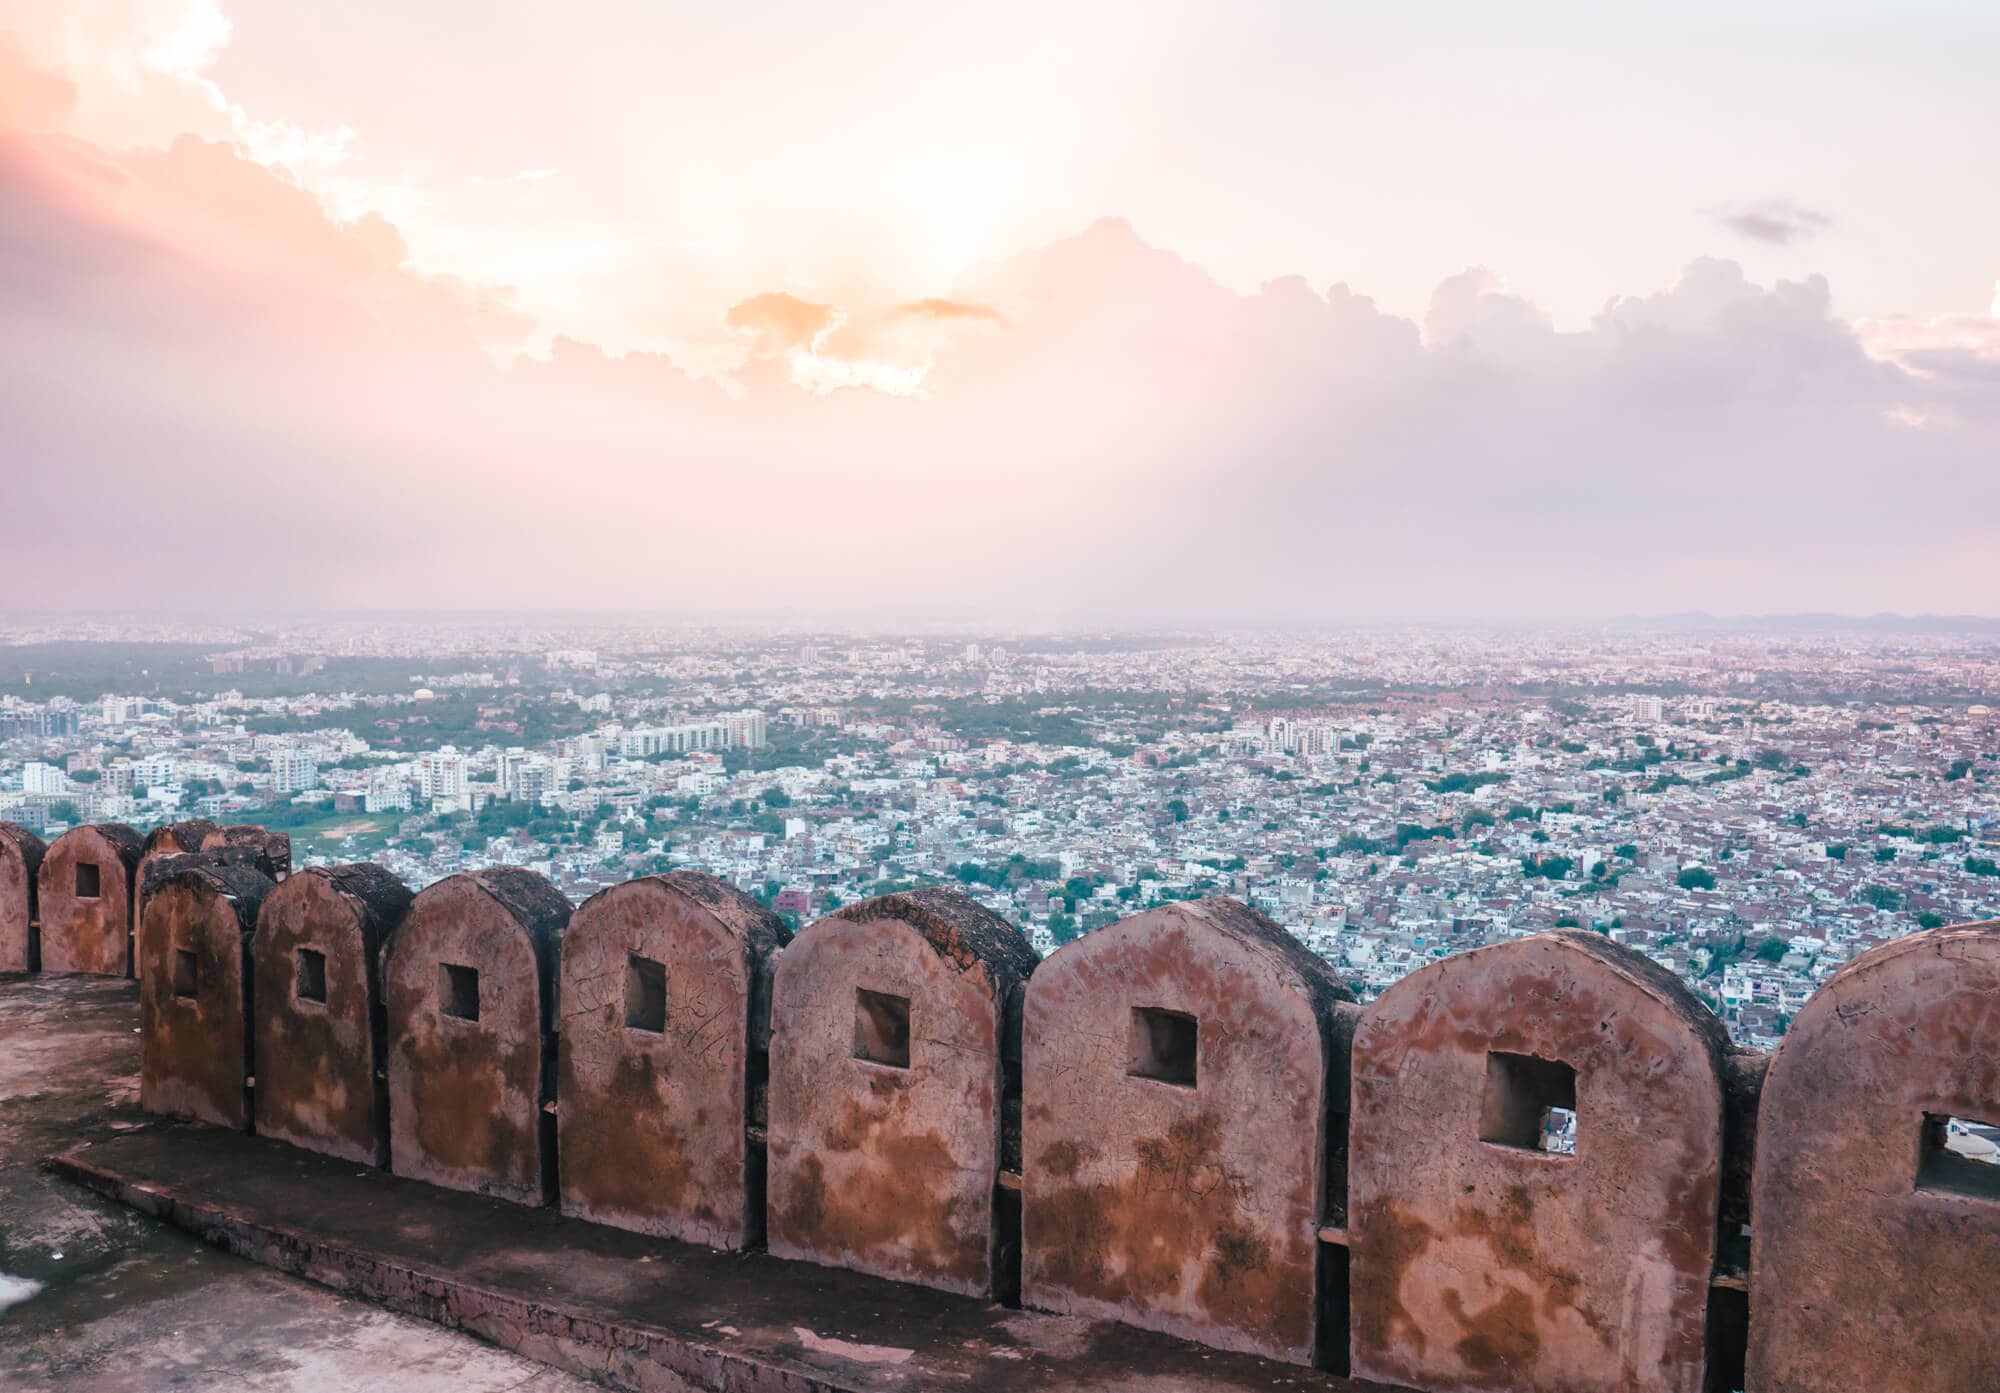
[[130, 1303], [136, 1303]]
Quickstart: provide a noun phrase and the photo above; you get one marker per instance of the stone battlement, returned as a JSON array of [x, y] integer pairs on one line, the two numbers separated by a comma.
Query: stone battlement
[[1536, 1165]]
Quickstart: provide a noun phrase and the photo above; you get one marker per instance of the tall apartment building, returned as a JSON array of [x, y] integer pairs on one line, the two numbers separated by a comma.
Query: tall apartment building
[[293, 771], [441, 774], [747, 730], [37, 777]]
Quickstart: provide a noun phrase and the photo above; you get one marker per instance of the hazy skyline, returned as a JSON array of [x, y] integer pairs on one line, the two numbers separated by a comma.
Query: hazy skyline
[[1149, 312]]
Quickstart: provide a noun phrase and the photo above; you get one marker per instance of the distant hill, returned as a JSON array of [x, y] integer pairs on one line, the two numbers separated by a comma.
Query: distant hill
[[1817, 623]]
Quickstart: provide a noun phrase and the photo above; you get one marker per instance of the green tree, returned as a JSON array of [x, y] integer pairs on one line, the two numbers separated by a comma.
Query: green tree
[[1695, 878]]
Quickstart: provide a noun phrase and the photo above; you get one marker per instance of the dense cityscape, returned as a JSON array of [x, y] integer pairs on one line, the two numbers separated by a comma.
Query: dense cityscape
[[1750, 805]]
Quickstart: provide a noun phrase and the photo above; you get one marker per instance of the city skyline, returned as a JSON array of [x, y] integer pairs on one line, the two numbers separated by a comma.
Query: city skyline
[[279, 327], [1749, 808]]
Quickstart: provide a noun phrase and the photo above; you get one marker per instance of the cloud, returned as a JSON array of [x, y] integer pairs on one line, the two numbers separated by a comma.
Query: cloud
[[1473, 309], [31, 98], [948, 310], [780, 321], [272, 408], [1777, 222]]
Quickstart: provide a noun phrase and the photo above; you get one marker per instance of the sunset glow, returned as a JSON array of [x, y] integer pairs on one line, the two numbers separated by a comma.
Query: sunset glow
[[1055, 295]]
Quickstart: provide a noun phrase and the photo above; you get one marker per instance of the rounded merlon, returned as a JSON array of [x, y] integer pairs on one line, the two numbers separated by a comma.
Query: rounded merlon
[[196, 1053], [21, 853], [660, 1048], [469, 984], [1176, 1077], [85, 898], [1483, 1256], [1861, 1206], [888, 1088], [320, 1026]]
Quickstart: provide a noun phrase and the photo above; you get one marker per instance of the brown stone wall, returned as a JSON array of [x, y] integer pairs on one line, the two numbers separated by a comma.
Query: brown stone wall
[[168, 839], [1175, 1091], [1876, 1257], [1479, 1260], [882, 1166], [466, 1095], [321, 1027], [270, 852], [656, 1059], [21, 853], [195, 1057], [83, 932]]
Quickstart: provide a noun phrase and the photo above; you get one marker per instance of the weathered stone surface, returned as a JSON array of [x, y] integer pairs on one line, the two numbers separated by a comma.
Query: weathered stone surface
[[85, 899], [270, 852], [320, 1023], [887, 1164], [470, 984], [1175, 1090], [1493, 1264], [21, 853], [665, 1031], [1876, 1253], [625, 1310], [195, 1057], [168, 839]]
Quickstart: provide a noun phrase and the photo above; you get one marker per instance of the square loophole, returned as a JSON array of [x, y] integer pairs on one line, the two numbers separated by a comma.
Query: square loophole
[[309, 976], [1164, 1045], [458, 991], [645, 994], [1959, 1156], [882, 1028], [187, 974], [1530, 1103], [89, 880]]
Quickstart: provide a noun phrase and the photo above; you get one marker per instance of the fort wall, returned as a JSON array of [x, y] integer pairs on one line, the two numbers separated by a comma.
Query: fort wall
[[1536, 1165]]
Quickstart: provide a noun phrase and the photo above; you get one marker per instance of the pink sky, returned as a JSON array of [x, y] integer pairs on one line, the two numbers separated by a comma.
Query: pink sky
[[686, 309]]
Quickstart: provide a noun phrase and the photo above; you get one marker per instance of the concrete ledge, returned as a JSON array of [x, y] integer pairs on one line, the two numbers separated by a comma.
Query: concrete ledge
[[634, 1312]]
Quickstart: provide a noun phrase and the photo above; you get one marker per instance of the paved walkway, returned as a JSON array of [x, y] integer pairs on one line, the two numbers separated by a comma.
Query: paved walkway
[[95, 1298]]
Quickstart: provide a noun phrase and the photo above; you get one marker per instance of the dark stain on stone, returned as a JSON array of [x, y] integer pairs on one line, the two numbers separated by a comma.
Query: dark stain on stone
[[1500, 1340], [892, 1204], [1396, 1239], [1174, 1216]]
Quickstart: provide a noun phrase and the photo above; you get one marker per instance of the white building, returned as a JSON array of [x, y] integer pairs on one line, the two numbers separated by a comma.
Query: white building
[[387, 793], [441, 774], [293, 771], [152, 772], [746, 730], [43, 778]]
